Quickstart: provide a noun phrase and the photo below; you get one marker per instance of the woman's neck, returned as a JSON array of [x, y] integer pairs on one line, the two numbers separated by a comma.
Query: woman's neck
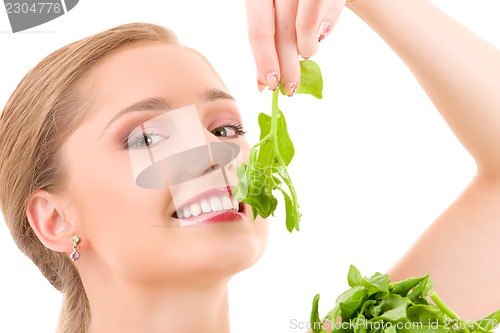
[[180, 308]]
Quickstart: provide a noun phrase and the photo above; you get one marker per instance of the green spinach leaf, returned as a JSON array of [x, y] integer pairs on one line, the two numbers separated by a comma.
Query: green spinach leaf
[[374, 305]]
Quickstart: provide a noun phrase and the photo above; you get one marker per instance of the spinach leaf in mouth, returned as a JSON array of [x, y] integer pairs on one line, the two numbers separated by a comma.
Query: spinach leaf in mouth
[[267, 167], [375, 305]]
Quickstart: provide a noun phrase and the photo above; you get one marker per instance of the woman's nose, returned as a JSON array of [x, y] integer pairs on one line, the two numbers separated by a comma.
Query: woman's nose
[[215, 155], [188, 165]]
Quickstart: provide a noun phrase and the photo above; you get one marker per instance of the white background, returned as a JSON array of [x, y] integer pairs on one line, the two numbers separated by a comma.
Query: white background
[[374, 163]]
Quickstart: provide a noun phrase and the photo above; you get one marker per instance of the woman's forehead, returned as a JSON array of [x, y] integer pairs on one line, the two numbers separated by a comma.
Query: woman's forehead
[[151, 69], [147, 61]]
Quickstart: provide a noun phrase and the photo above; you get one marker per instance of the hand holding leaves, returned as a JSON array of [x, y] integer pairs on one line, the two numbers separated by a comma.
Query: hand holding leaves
[[266, 170]]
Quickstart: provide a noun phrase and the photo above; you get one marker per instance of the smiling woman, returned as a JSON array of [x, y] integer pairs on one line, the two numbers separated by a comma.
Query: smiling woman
[[75, 138]]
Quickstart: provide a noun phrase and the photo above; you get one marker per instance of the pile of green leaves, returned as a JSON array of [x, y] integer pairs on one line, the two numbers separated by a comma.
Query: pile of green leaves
[[266, 170], [375, 305]]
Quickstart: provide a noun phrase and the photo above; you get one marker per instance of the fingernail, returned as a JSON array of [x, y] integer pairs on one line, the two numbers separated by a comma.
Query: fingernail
[[261, 86], [290, 88], [324, 30], [272, 81]]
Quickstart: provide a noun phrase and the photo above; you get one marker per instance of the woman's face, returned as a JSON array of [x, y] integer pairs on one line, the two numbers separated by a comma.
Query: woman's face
[[155, 101]]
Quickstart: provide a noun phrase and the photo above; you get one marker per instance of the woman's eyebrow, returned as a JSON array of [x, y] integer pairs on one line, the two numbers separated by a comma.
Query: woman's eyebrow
[[164, 104], [150, 104], [213, 94]]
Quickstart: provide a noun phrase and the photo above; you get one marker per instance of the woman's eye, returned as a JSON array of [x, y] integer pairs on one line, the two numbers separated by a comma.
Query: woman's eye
[[228, 131], [144, 139]]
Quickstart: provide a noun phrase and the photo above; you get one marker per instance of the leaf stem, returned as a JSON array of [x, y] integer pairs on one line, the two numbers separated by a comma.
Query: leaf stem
[[261, 142], [441, 305], [276, 113], [447, 310], [274, 126]]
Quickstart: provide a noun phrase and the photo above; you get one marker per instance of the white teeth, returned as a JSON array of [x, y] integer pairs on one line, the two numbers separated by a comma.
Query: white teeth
[[195, 209], [205, 206], [186, 212], [216, 204], [226, 203]]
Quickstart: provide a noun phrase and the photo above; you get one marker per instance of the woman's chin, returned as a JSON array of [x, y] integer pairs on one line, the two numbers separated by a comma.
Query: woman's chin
[[237, 251]]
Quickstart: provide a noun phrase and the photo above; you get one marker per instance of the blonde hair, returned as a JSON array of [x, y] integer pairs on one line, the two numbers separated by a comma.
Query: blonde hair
[[41, 113]]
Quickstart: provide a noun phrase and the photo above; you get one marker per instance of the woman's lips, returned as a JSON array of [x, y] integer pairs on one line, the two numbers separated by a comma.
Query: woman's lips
[[213, 206]]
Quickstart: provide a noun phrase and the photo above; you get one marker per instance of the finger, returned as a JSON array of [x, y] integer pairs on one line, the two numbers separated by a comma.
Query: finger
[[315, 21], [308, 20], [286, 44], [260, 19], [331, 13]]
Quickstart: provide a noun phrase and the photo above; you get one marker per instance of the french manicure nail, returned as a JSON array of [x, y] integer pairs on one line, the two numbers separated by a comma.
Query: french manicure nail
[[272, 81], [290, 88], [324, 30]]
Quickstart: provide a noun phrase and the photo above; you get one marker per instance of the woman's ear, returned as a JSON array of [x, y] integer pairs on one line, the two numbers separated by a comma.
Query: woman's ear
[[46, 216]]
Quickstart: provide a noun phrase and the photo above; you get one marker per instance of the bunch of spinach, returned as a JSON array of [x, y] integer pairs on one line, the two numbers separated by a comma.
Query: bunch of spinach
[[375, 305], [266, 170]]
